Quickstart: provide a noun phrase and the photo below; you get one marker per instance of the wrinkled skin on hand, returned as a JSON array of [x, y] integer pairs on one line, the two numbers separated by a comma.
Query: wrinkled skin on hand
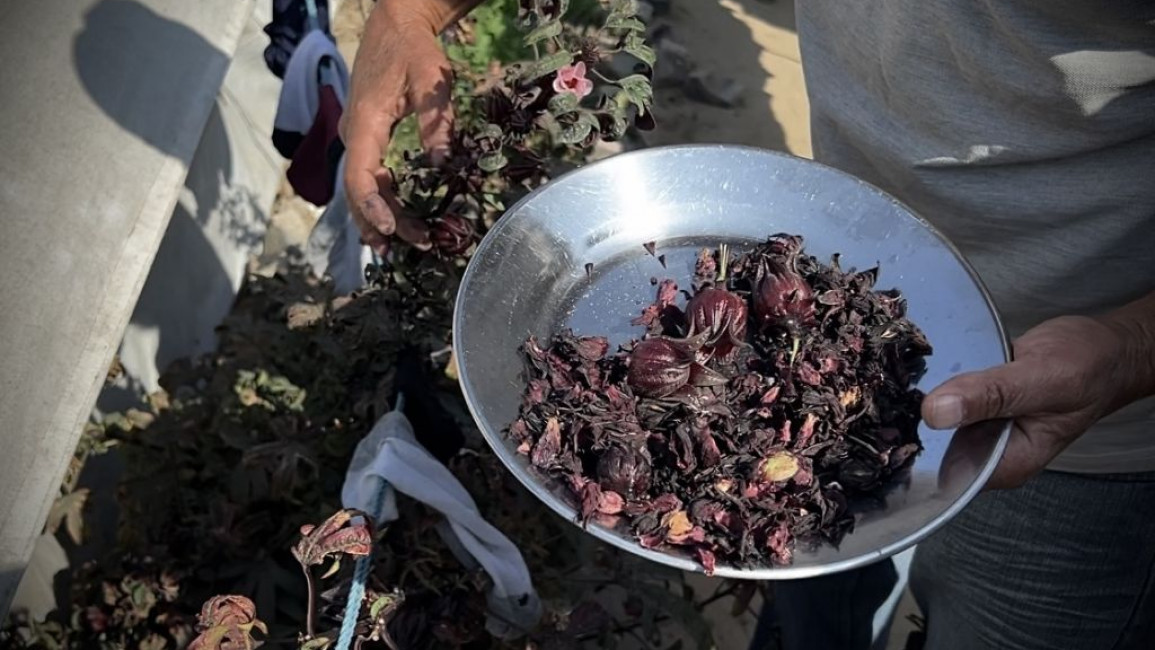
[[400, 69], [1067, 374]]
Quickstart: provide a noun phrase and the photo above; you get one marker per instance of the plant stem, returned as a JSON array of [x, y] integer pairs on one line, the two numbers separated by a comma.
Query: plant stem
[[311, 607], [601, 76]]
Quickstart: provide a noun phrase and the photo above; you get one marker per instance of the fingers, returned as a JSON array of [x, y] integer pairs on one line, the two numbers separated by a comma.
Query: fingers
[[1027, 453], [366, 180], [1007, 391], [432, 101]]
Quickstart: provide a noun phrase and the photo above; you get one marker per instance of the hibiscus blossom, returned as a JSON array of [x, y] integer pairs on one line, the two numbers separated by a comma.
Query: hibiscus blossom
[[572, 79]]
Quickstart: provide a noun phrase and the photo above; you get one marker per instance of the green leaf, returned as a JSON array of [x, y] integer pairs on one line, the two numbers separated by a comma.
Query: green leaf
[[332, 570], [637, 88], [383, 605], [563, 103], [492, 162], [636, 46], [618, 126], [547, 65], [318, 643], [623, 8], [579, 130], [543, 32], [491, 131], [625, 22]]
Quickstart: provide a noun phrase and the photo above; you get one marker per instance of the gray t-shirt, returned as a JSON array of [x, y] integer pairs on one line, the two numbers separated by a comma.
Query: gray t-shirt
[[1025, 131]]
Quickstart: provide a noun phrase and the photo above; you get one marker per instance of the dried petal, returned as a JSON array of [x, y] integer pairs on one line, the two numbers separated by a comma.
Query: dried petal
[[546, 450]]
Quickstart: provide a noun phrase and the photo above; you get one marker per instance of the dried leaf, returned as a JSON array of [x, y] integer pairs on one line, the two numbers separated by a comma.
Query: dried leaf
[[69, 510], [303, 314], [227, 623]]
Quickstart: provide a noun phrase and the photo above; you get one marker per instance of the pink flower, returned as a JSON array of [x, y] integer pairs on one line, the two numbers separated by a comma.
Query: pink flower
[[572, 79]]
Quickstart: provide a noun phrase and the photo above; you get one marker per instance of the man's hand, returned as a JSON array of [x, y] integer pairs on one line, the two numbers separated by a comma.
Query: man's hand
[[400, 69], [1067, 373]]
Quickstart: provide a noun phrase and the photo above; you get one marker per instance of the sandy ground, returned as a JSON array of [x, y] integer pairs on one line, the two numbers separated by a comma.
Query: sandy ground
[[752, 42]]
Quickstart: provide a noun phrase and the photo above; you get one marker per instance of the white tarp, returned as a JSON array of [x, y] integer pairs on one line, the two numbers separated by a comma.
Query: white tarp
[[104, 104]]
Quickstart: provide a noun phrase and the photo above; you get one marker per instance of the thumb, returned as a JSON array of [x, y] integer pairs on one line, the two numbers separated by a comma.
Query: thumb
[[1005, 391], [434, 106]]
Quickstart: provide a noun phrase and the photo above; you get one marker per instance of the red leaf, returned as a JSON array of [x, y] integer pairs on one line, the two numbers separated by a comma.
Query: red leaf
[[337, 535]]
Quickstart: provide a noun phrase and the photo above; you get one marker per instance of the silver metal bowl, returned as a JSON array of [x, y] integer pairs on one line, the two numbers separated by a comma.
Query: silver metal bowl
[[528, 276]]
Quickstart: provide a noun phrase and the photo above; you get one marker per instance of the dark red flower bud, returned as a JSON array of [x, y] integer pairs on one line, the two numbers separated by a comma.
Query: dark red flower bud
[[452, 234], [721, 315], [625, 470], [659, 367], [783, 298]]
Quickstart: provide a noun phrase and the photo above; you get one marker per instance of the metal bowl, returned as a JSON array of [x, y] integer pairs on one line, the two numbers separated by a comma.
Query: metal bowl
[[528, 276]]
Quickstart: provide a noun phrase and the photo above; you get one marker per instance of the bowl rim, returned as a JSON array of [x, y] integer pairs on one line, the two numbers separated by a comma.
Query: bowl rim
[[497, 443]]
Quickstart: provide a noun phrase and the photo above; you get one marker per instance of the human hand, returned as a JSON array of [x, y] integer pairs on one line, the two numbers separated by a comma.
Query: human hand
[[400, 69], [1067, 373]]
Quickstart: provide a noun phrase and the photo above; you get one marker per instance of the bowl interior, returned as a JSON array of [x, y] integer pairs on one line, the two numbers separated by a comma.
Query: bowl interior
[[529, 277]]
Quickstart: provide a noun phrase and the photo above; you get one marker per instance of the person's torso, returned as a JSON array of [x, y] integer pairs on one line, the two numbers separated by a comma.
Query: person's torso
[[1025, 131]]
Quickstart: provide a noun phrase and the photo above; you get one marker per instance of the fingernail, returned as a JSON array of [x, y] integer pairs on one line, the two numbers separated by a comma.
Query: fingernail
[[946, 412]]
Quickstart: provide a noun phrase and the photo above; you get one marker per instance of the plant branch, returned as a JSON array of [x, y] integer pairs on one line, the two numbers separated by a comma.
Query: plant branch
[[311, 606]]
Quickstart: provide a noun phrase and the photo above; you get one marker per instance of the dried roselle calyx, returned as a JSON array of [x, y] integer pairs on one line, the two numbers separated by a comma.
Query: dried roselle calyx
[[785, 244], [720, 315], [767, 446], [625, 470], [783, 298], [659, 367], [452, 234]]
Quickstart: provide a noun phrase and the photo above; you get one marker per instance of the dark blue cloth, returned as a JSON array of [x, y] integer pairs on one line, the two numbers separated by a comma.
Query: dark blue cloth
[[833, 612], [289, 25]]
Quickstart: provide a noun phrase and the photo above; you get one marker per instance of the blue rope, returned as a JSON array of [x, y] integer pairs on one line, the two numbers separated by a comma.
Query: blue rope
[[361, 569], [360, 577], [313, 21]]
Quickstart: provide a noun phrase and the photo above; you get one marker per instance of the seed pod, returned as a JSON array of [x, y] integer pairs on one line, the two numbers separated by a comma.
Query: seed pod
[[783, 298], [719, 314], [452, 235], [625, 470], [658, 367]]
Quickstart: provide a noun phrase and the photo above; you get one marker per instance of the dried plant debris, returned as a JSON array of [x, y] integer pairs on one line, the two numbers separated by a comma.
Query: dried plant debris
[[746, 419]]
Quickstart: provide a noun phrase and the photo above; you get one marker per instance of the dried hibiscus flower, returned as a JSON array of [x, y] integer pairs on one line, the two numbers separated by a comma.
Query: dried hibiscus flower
[[733, 442]]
